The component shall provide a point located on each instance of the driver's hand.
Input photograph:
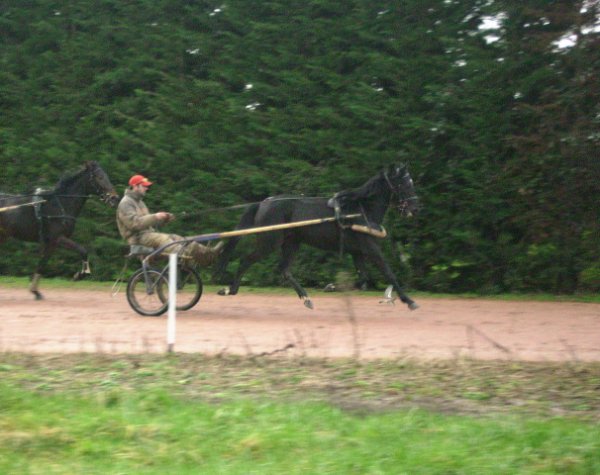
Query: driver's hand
(165, 217)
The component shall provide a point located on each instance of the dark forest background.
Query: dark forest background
(224, 103)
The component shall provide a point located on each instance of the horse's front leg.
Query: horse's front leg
(373, 252)
(85, 264)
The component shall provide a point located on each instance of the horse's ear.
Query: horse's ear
(402, 168)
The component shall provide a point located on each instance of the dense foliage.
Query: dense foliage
(223, 104)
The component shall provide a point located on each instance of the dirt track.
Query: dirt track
(339, 326)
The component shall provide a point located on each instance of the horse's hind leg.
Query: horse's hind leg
(289, 250)
(34, 284)
(265, 247)
(39, 270)
(245, 264)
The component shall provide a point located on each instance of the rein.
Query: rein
(41, 194)
(186, 215)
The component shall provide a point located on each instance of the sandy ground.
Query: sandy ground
(339, 326)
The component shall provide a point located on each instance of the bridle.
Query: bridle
(104, 195)
(403, 204)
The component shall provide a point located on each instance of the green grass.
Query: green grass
(54, 283)
(157, 433)
(61, 283)
(109, 414)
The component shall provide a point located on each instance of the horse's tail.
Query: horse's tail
(246, 221)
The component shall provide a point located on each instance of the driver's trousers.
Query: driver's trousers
(202, 255)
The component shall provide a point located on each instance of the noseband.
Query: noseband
(103, 194)
(403, 201)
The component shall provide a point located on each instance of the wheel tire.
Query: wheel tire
(189, 288)
(147, 304)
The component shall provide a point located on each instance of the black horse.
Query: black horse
(48, 216)
(370, 201)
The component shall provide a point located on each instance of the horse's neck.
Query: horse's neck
(72, 197)
(376, 206)
(376, 210)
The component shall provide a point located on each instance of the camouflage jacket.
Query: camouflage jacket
(133, 217)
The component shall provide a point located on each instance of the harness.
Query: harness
(371, 229)
(38, 200)
(334, 203)
(343, 224)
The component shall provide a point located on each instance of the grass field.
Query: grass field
(23, 282)
(179, 414)
(131, 414)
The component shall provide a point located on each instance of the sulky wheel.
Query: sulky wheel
(148, 292)
(189, 288)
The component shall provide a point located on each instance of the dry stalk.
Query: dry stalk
(345, 285)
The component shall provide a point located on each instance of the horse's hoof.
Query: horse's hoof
(308, 303)
(413, 306)
(37, 295)
(224, 291)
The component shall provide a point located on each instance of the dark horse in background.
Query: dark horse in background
(48, 216)
(370, 201)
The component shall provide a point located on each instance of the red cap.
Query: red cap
(139, 180)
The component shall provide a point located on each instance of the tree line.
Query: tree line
(494, 105)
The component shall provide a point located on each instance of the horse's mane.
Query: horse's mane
(63, 182)
(68, 180)
(370, 188)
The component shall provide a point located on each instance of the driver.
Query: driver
(137, 225)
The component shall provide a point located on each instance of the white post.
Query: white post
(172, 301)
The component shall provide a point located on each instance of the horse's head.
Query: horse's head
(401, 185)
(100, 183)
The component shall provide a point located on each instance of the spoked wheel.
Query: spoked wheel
(189, 288)
(148, 292)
